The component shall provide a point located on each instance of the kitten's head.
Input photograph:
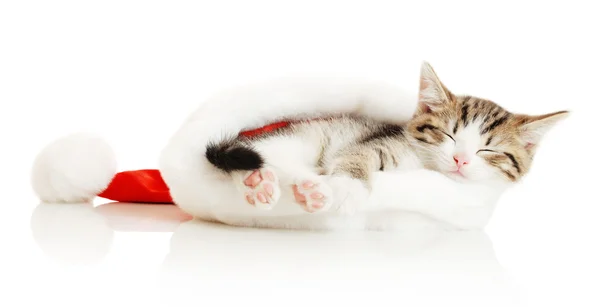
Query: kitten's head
(473, 139)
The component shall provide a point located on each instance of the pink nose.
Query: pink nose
(461, 159)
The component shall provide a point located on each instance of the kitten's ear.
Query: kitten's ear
(432, 92)
(533, 128)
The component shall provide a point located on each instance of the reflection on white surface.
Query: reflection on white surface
(452, 263)
(432, 265)
(214, 250)
(71, 233)
(83, 233)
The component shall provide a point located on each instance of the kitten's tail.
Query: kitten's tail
(233, 155)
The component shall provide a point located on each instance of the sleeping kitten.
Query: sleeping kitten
(464, 137)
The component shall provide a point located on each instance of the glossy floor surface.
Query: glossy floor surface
(121, 254)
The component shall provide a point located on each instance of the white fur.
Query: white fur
(424, 196)
(74, 168)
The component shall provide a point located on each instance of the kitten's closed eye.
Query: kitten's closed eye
(431, 127)
(494, 157)
(492, 153)
(448, 135)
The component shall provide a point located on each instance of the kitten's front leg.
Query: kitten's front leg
(346, 184)
(350, 177)
(357, 163)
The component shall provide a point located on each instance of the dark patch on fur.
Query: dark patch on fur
(455, 128)
(489, 141)
(463, 115)
(231, 155)
(425, 126)
(381, 158)
(511, 176)
(384, 131)
(514, 161)
(422, 140)
(495, 124)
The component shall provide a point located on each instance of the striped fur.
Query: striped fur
(347, 146)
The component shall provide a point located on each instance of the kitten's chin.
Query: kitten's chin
(491, 182)
(458, 176)
(466, 178)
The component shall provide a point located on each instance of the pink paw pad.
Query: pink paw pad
(253, 180)
(261, 188)
(312, 195)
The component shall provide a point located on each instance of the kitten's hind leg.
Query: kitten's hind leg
(260, 187)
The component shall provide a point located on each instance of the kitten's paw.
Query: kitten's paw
(260, 188)
(313, 194)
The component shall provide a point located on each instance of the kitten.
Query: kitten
(463, 137)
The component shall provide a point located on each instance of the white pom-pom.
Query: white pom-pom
(72, 169)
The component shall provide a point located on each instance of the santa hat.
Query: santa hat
(79, 167)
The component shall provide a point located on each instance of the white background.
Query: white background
(133, 70)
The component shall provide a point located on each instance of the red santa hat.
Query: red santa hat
(80, 167)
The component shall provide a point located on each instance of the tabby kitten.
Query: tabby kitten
(466, 138)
